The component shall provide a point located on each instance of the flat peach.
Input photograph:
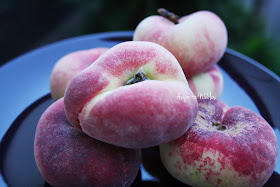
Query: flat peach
(67, 157)
(105, 102)
(198, 41)
(224, 147)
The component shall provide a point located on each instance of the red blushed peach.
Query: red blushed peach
(69, 66)
(198, 40)
(225, 147)
(207, 84)
(128, 97)
(68, 157)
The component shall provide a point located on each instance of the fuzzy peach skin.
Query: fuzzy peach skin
(69, 66)
(68, 157)
(198, 41)
(209, 83)
(139, 115)
(225, 147)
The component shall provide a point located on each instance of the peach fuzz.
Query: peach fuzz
(198, 41)
(209, 83)
(69, 66)
(144, 114)
(67, 157)
(225, 147)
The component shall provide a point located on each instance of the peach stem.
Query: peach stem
(219, 126)
(139, 76)
(169, 15)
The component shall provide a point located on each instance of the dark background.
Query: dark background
(253, 25)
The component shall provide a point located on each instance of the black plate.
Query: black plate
(17, 164)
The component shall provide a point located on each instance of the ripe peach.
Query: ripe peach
(69, 66)
(128, 97)
(209, 83)
(198, 40)
(225, 147)
(68, 157)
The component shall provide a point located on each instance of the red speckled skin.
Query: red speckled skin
(198, 41)
(140, 115)
(69, 66)
(244, 154)
(67, 157)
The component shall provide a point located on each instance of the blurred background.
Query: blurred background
(253, 25)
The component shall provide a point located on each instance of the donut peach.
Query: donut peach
(68, 157)
(128, 97)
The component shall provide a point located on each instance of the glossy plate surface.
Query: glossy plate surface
(24, 97)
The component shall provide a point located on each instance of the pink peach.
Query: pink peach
(69, 66)
(106, 102)
(224, 147)
(67, 157)
(198, 41)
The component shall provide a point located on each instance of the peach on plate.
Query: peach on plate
(128, 97)
(68, 157)
(224, 147)
(198, 40)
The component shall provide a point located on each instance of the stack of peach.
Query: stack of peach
(111, 103)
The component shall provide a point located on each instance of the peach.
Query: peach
(225, 147)
(128, 97)
(68, 157)
(207, 84)
(198, 40)
(69, 66)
